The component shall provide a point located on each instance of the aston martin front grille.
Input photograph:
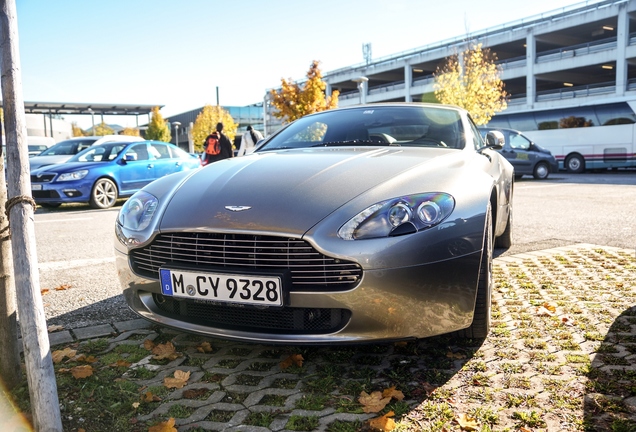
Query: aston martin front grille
(310, 269)
(285, 320)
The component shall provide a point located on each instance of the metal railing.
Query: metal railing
(576, 50)
(578, 91)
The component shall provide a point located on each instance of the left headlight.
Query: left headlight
(137, 212)
(76, 175)
(399, 216)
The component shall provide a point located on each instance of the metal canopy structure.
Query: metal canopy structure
(87, 108)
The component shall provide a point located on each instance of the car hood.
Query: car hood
(288, 192)
(67, 167)
(36, 162)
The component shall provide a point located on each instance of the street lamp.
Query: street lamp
(176, 131)
(363, 94)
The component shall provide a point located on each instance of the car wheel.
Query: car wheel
(575, 164)
(481, 318)
(505, 240)
(541, 171)
(104, 194)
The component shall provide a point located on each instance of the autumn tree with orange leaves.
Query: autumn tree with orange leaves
(471, 80)
(293, 101)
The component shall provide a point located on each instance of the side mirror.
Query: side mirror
(495, 139)
(129, 157)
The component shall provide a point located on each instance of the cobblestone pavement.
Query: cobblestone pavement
(561, 356)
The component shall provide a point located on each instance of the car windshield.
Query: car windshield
(411, 126)
(100, 153)
(68, 147)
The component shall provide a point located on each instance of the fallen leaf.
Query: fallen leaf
(467, 423)
(63, 287)
(194, 393)
(165, 351)
(180, 379)
(59, 355)
(549, 307)
(54, 328)
(135, 405)
(205, 347)
(391, 392)
(83, 371)
(149, 397)
(543, 312)
(383, 423)
(44, 291)
(148, 344)
(120, 363)
(294, 359)
(167, 426)
(374, 402)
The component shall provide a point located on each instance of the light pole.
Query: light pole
(93, 120)
(176, 131)
(361, 82)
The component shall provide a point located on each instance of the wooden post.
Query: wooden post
(20, 206)
(10, 373)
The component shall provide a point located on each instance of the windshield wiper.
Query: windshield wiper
(346, 143)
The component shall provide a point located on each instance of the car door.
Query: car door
(137, 169)
(517, 151)
(165, 163)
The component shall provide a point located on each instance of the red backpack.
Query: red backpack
(212, 144)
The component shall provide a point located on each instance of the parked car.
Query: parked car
(527, 157)
(375, 222)
(38, 144)
(64, 150)
(105, 172)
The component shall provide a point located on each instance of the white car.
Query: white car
(64, 150)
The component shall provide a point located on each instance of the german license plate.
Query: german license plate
(222, 287)
(36, 187)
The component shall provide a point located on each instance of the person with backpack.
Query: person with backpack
(217, 146)
(249, 140)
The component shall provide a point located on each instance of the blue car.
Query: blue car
(105, 172)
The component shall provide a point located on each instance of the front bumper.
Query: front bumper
(61, 192)
(388, 304)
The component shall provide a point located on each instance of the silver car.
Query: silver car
(361, 224)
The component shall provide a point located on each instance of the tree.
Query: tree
(293, 102)
(77, 131)
(471, 80)
(130, 131)
(157, 128)
(206, 122)
(103, 129)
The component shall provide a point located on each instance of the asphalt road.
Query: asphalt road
(76, 261)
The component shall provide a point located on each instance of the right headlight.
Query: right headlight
(137, 213)
(399, 216)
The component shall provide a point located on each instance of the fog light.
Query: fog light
(71, 192)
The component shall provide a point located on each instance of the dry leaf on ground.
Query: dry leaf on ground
(63, 287)
(59, 355)
(180, 379)
(83, 371)
(374, 402)
(167, 426)
(54, 328)
(467, 423)
(149, 397)
(393, 393)
(148, 344)
(294, 359)
(165, 351)
(205, 347)
(383, 423)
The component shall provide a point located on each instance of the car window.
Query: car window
(519, 142)
(159, 151)
(138, 152)
(177, 153)
(478, 141)
(69, 147)
(397, 126)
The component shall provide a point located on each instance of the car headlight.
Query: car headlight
(76, 175)
(137, 212)
(399, 216)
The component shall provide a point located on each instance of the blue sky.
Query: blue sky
(175, 53)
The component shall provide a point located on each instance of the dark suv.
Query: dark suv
(524, 155)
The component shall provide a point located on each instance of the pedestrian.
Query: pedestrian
(217, 146)
(249, 140)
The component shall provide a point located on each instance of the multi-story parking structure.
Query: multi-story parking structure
(576, 63)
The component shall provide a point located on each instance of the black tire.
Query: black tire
(541, 171)
(504, 241)
(480, 327)
(575, 164)
(104, 194)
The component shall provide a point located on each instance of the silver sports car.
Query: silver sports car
(360, 224)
